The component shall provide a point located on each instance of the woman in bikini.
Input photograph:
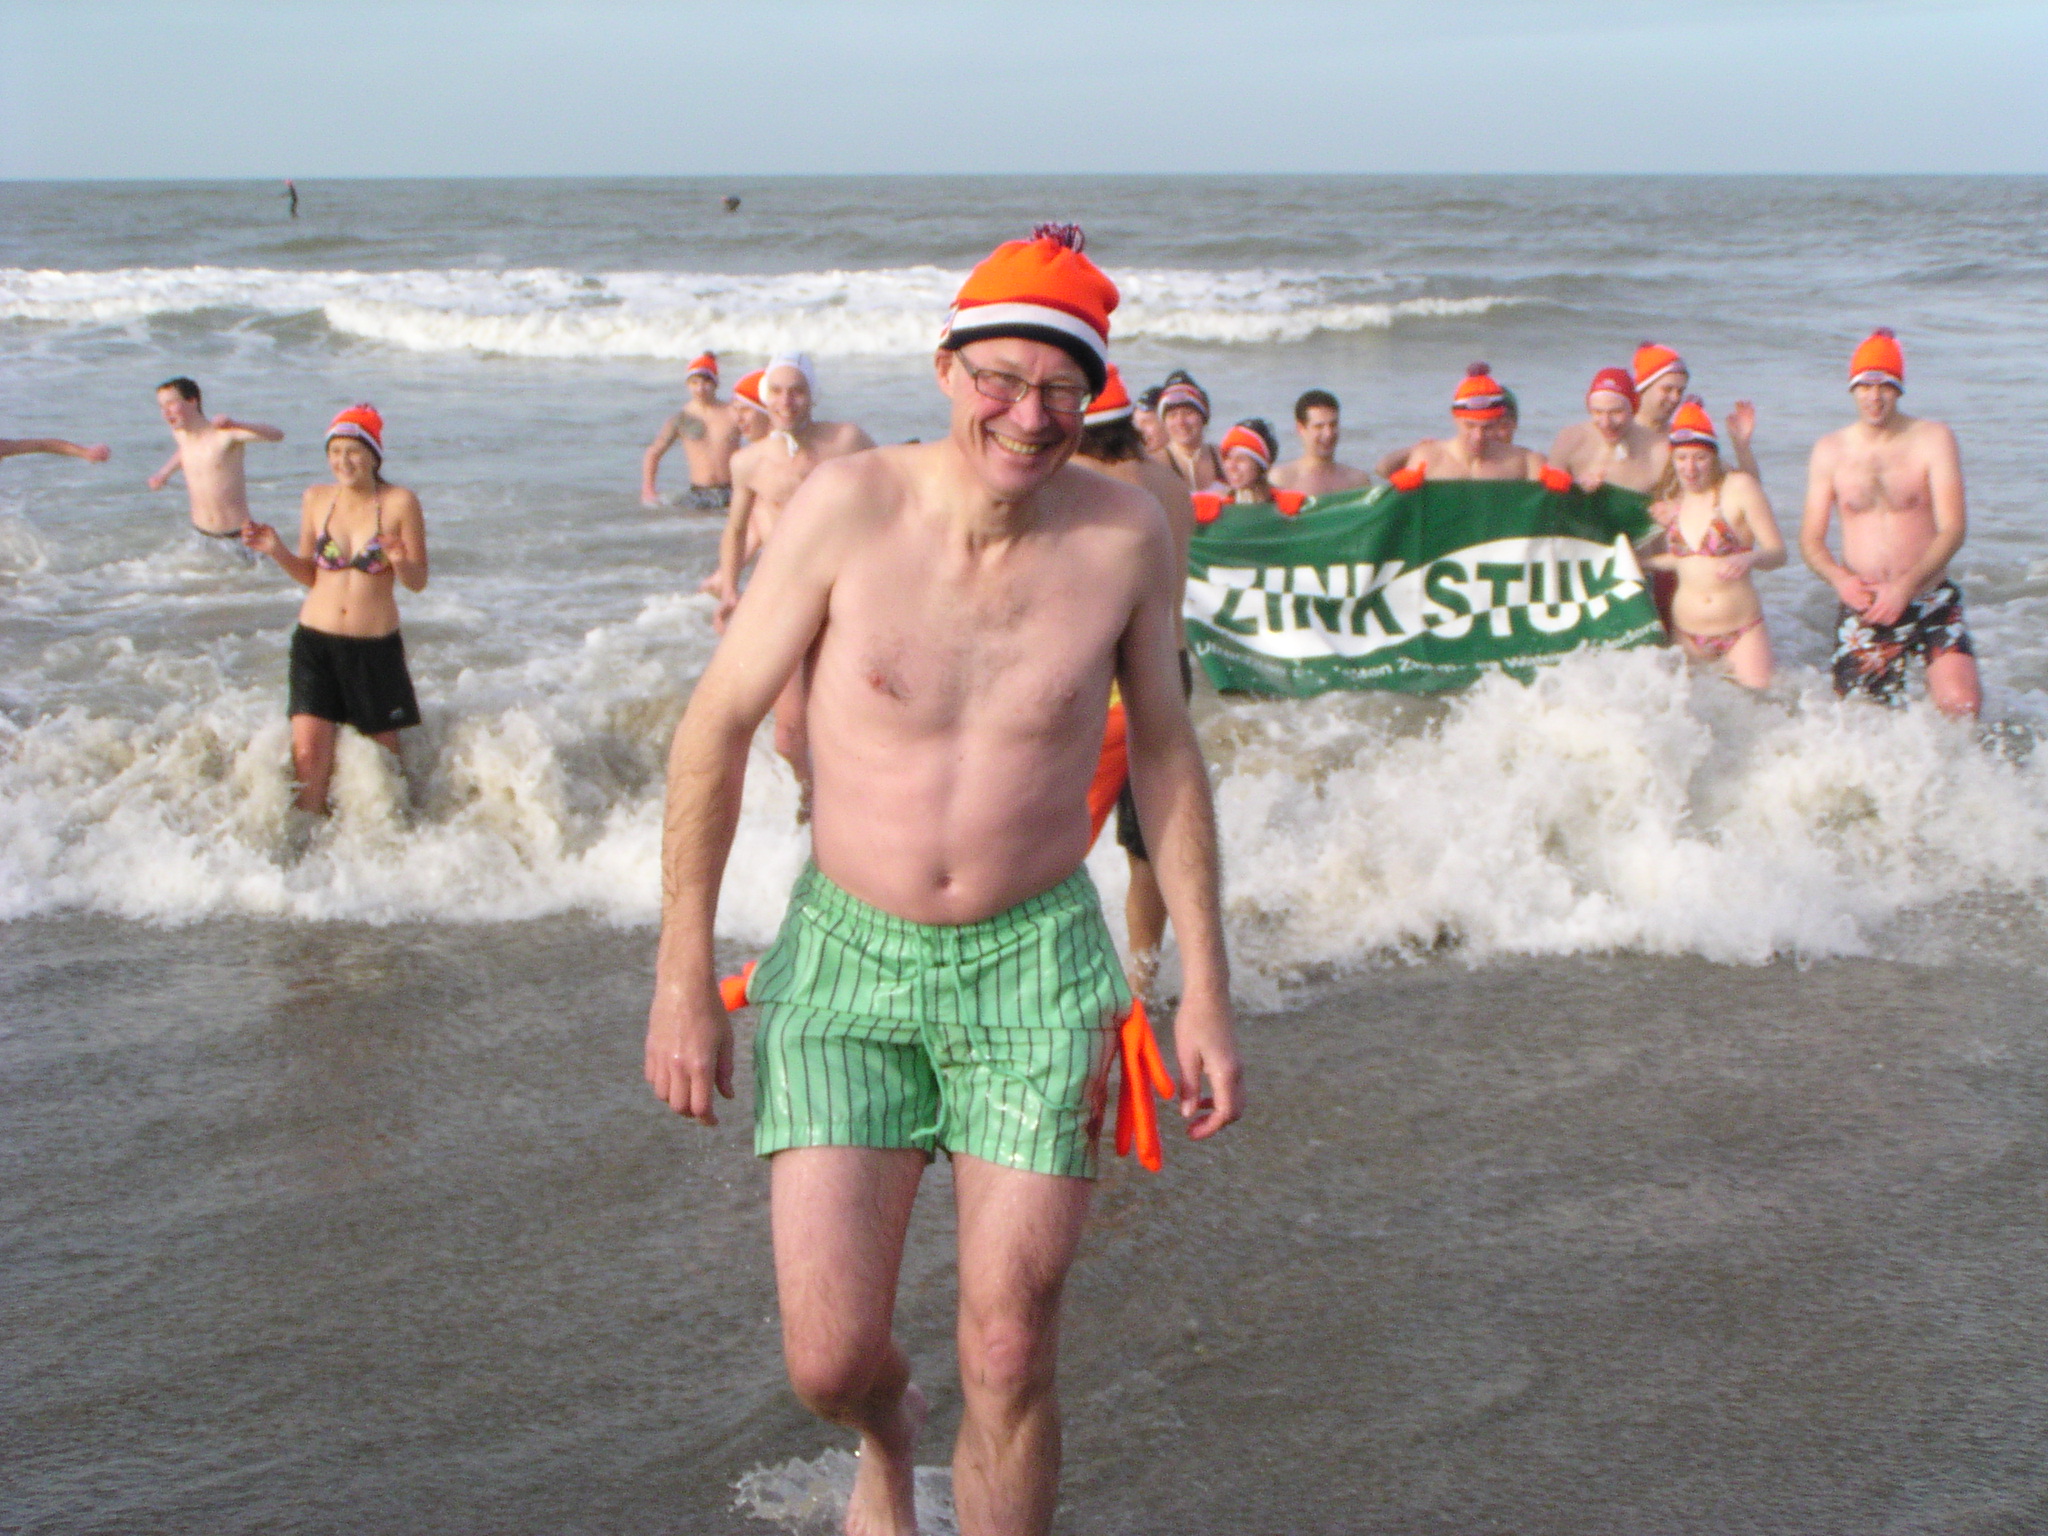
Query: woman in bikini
(1718, 529)
(356, 538)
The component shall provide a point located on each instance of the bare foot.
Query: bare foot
(884, 1501)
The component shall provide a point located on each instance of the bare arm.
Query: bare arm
(732, 552)
(1813, 530)
(650, 462)
(265, 540)
(1951, 522)
(248, 431)
(1391, 464)
(407, 546)
(162, 477)
(98, 453)
(1171, 786)
(1753, 507)
(689, 1037)
(1741, 429)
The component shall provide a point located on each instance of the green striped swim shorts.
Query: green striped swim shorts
(989, 1038)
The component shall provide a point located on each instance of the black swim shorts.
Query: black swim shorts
(1129, 835)
(352, 681)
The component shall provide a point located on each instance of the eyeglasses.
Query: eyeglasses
(1060, 398)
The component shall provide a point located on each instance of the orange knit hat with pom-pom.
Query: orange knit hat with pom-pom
(361, 422)
(1042, 289)
(1111, 403)
(748, 390)
(1880, 360)
(1252, 438)
(705, 363)
(1652, 361)
(1479, 396)
(1691, 424)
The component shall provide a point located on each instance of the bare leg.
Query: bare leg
(1749, 659)
(1018, 1236)
(1145, 923)
(388, 740)
(839, 1215)
(313, 760)
(1952, 684)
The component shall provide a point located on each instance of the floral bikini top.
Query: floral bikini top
(370, 559)
(1718, 540)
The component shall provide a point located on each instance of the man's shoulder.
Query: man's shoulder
(1285, 475)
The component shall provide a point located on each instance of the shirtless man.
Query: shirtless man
(1110, 443)
(97, 453)
(709, 431)
(1898, 481)
(764, 476)
(1184, 413)
(1610, 447)
(944, 969)
(210, 455)
(748, 409)
(1317, 472)
(1478, 451)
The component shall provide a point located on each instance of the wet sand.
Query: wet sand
(362, 1229)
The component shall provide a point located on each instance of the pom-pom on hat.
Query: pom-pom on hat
(1479, 396)
(705, 363)
(748, 390)
(361, 422)
(1613, 381)
(1652, 361)
(1692, 424)
(1880, 360)
(1112, 403)
(1252, 437)
(1042, 289)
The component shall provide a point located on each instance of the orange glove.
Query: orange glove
(1555, 479)
(1110, 771)
(1145, 1074)
(732, 990)
(1406, 479)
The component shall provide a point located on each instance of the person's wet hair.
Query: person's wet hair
(184, 386)
(1112, 442)
(1312, 398)
(1149, 400)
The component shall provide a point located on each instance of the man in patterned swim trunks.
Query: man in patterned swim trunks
(1898, 481)
(944, 979)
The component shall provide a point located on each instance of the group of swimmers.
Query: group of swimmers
(941, 628)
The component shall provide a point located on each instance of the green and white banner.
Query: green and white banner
(1420, 590)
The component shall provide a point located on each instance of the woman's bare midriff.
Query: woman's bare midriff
(352, 603)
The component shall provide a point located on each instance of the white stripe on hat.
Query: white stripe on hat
(1002, 317)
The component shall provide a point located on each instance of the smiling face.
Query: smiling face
(354, 465)
(1876, 403)
(1318, 432)
(1242, 472)
(1184, 426)
(1695, 465)
(787, 394)
(1661, 396)
(1013, 447)
(1610, 414)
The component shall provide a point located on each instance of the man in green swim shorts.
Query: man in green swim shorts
(944, 979)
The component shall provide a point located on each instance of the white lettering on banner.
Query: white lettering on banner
(1299, 612)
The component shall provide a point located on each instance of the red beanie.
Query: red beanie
(1613, 381)
(1042, 289)
(1113, 403)
(705, 363)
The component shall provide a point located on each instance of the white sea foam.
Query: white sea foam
(809, 1498)
(548, 312)
(1620, 802)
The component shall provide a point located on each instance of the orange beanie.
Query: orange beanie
(1879, 361)
(749, 390)
(705, 363)
(361, 422)
(1113, 403)
(1248, 438)
(1479, 396)
(1653, 361)
(1692, 424)
(1042, 289)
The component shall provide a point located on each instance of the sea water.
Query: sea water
(338, 1204)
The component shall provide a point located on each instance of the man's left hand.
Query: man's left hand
(1205, 1046)
(1888, 602)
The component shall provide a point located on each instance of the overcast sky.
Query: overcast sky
(107, 88)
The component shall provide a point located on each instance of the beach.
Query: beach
(1647, 1129)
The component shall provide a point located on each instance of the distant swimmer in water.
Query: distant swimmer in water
(96, 453)
(1610, 447)
(1247, 453)
(357, 536)
(709, 431)
(732, 203)
(1110, 444)
(1483, 448)
(209, 455)
(291, 192)
(1317, 472)
(1145, 420)
(1184, 413)
(1719, 528)
(1898, 482)
(764, 476)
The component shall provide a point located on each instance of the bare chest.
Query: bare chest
(1880, 480)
